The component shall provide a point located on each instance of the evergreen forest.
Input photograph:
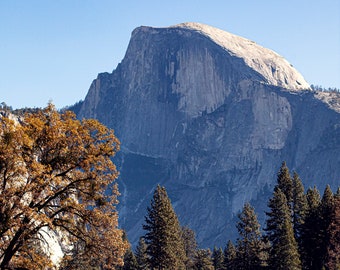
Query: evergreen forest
(302, 231)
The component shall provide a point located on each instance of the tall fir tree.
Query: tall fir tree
(300, 207)
(218, 258)
(325, 216)
(130, 262)
(332, 260)
(285, 183)
(313, 199)
(141, 255)
(284, 249)
(230, 256)
(310, 232)
(203, 260)
(315, 236)
(250, 248)
(326, 206)
(163, 236)
(190, 246)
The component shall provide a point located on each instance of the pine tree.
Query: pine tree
(333, 249)
(325, 216)
(315, 237)
(203, 260)
(141, 255)
(300, 207)
(249, 247)
(218, 258)
(165, 246)
(130, 261)
(190, 246)
(230, 256)
(285, 183)
(326, 206)
(313, 199)
(310, 233)
(284, 250)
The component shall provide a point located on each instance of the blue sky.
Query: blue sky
(52, 50)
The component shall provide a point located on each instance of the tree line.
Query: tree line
(302, 231)
(324, 89)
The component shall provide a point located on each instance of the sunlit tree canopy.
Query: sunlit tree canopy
(56, 175)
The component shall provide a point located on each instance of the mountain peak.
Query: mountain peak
(207, 114)
(275, 69)
(202, 65)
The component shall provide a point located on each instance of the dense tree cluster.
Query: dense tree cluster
(302, 232)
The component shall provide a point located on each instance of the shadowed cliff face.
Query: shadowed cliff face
(210, 125)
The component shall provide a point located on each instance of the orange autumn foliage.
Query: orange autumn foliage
(56, 174)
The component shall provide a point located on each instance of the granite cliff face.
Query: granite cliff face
(211, 116)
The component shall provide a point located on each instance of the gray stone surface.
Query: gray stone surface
(211, 122)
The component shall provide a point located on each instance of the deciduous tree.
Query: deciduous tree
(56, 174)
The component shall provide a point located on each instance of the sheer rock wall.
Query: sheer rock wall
(211, 116)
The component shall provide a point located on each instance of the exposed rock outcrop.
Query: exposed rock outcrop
(211, 116)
